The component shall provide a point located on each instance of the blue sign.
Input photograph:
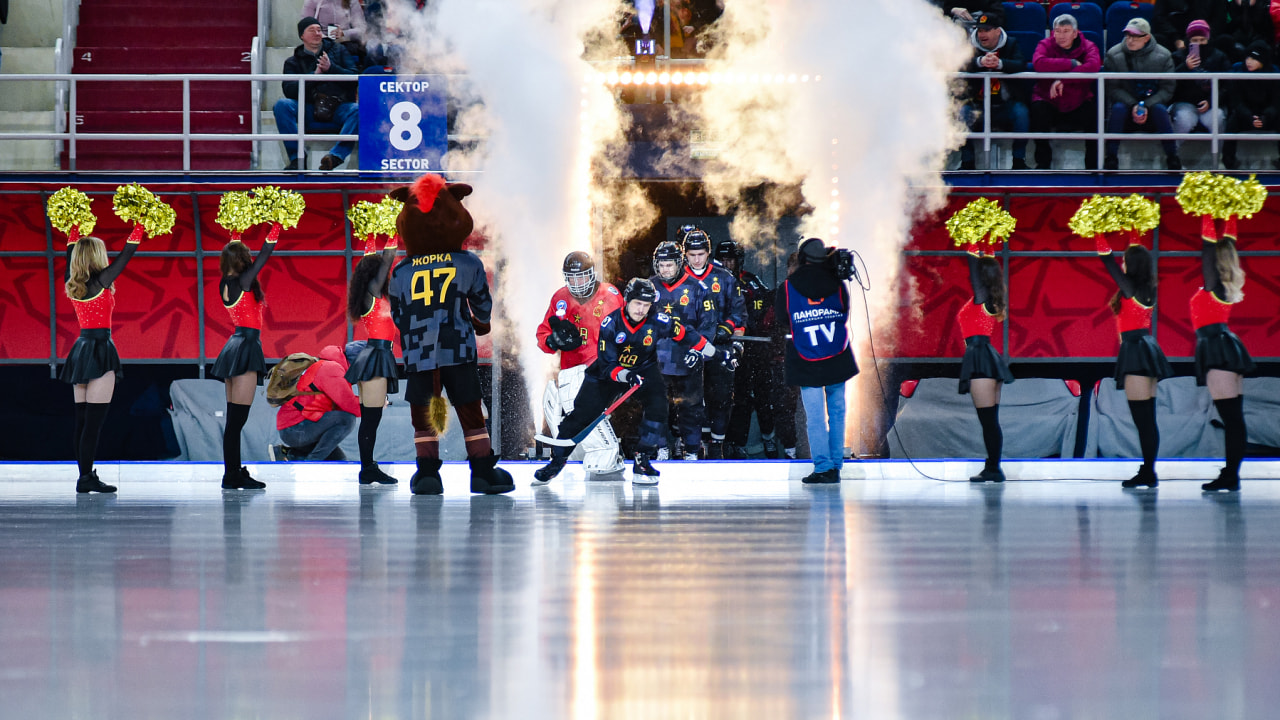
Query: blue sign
(402, 123)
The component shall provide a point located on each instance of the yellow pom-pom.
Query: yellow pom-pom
(1089, 219)
(136, 204)
(1252, 197)
(1139, 213)
(69, 208)
(237, 212)
(388, 211)
(282, 207)
(1204, 193)
(981, 221)
(364, 218)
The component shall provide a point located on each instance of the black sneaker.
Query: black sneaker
(1020, 164)
(241, 480)
(329, 162)
(1173, 162)
(715, 450)
(1227, 481)
(1146, 477)
(1111, 163)
(293, 164)
(89, 483)
(544, 474)
(371, 474)
(825, 477)
(988, 475)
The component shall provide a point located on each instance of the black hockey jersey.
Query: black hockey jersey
(727, 305)
(624, 346)
(433, 300)
(687, 300)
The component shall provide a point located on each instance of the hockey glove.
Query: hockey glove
(564, 335)
(693, 357)
(729, 358)
(723, 333)
(628, 377)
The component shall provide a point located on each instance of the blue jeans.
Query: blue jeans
(826, 441)
(1010, 115)
(346, 121)
(325, 433)
(1120, 120)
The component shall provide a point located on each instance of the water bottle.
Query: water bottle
(1141, 111)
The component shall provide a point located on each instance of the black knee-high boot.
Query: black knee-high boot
(234, 475)
(95, 415)
(1231, 410)
(367, 436)
(1144, 418)
(993, 438)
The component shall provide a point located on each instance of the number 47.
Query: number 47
(420, 285)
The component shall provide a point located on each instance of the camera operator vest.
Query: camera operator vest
(818, 327)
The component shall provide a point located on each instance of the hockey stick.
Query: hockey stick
(570, 442)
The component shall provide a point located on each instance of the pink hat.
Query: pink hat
(1198, 28)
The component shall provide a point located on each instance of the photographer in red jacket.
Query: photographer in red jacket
(323, 412)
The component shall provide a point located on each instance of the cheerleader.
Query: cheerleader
(93, 365)
(1221, 359)
(983, 370)
(374, 369)
(1140, 364)
(241, 364)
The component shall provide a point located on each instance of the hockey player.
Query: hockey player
(681, 296)
(572, 328)
(728, 318)
(757, 376)
(630, 338)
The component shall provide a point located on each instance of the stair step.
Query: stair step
(163, 121)
(105, 60)
(170, 36)
(205, 96)
(215, 17)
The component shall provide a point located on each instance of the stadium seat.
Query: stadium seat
(1087, 14)
(1119, 15)
(1027, 41)
(1096, 38)
(1024, 17)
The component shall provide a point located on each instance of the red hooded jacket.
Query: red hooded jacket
(327, 377)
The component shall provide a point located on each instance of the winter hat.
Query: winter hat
(305, 23)
(813, 251)
(1198, 28)
(1260, 51)
(987, 21)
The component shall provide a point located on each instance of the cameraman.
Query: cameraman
(814, 301)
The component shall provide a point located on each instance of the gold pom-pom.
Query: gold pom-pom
(136, 204)
(1204, 193)
(237, 212)
(282, 207)
(69, 208)
(364, 218)
(981, 221)
(1094, 217)
(388, 211)
(1138, 213)
(1252, 197)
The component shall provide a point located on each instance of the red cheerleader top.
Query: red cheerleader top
(246, 311)
(1207, 309)
(975, 320)
(1133, 315)
(95, 312)
(377, 322)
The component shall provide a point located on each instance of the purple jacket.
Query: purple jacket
(1049, 58)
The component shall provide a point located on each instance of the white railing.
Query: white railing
(63, 48)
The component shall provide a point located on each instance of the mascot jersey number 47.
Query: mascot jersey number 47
(440, 301)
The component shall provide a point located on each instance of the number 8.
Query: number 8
(405, 134)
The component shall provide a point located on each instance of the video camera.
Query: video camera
(840, 263)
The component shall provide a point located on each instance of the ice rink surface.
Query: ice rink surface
(730, 590)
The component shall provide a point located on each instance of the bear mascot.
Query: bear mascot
(440, 302)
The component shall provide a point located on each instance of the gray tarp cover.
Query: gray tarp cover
(1038, 417)
(199, 409)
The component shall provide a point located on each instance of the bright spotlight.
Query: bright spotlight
(664, 79)
(715, 78)
(613, 77)
(804, 78)
(625, 79)
(791, 78)
(651, 78)
(703, 78)
(677, 77)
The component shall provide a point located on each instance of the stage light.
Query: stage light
(677, 77)
(613, 77)
(625, 79)
(703, 78)
(664, 79)
(651, 78)
(755, 78)
(835, 193)
(767, 79)
(835, 206)
(791, 78)
(715, 78)
(804, 78)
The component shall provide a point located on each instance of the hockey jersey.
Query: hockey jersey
(433, 301)
(624, 346)
(726, 304)
(687, 300)
(586, 314)
(758, 300)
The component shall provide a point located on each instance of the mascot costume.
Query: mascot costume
(440, 301)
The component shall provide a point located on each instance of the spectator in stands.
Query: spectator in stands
(965, 11)
(1193, 97)
(1173, 16)
(1247, 22)
(323, 412)
(330, 106)
(1065, 105)
(1139, 105)
(343, 22)
(995, 52)
(1254, 104)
